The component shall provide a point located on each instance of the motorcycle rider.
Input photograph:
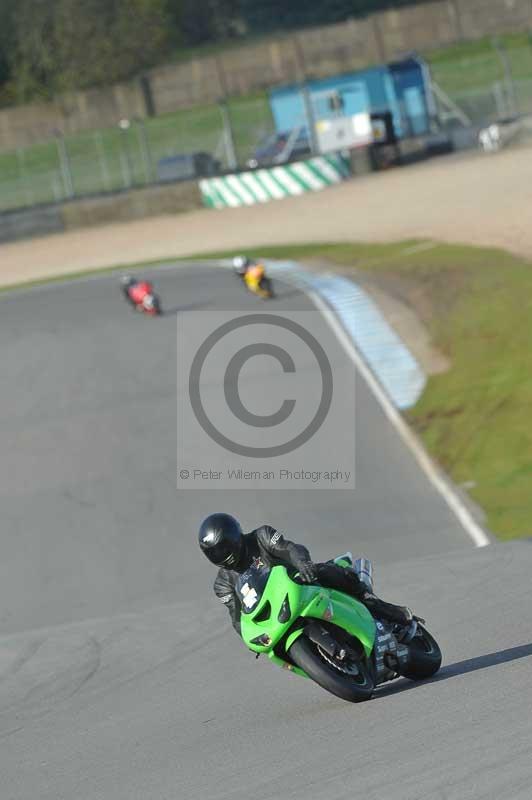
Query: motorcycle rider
(252, 272)
(136, 292)
(241, 264)
(233, 552)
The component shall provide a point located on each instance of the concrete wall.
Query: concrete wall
(135, 204)
(33, 222)
(311, 53)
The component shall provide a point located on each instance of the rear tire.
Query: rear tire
(267, 286)
(424, 656)
(305, 654)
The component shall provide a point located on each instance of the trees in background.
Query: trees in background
(268, 15)
(51, 46)
(7, 8)
(203, 21)
(59, 45)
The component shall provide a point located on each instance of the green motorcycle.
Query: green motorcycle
(329, 637)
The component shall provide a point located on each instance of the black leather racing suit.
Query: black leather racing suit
(271, 548)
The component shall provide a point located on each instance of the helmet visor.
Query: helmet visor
(223, 554)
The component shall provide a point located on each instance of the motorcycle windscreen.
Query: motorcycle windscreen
(250, 587)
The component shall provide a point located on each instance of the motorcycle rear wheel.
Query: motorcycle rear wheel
(355, 689)
(267, 286)
(424, 656)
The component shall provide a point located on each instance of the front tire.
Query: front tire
(355, 689)
(424, 656)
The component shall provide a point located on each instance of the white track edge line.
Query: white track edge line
(472, 528)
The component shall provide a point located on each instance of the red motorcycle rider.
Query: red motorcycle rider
(140, 294)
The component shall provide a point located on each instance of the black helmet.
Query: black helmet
(220, 538)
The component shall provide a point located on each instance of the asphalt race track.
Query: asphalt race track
(120, 677)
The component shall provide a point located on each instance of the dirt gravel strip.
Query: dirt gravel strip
(469, 198)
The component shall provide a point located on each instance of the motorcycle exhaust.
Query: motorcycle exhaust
(364, 569)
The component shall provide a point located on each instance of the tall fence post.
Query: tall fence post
(65, 166)
(500, 100)
(229, 139)
(380, 43)
(23, 176)
(457, 17)
(125, 155)
(147, 95)
(507, 72)
(145, 151)
(104, 169)
(56, 188)
(222, 77)
(310, 118)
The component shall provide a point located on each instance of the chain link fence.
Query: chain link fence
(494, 84)
(136, 153)
(201, 141)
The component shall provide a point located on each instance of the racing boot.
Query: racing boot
(387, 611)
(345, 579)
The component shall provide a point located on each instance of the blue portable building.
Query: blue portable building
(401, 87)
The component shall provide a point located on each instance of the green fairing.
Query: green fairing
(305, 602)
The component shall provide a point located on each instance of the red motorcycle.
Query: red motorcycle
(141, 296)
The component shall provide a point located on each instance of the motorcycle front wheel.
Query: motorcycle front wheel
(349, 681)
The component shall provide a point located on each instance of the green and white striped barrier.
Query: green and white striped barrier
(274, 183)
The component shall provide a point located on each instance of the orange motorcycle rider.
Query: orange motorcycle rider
(253, 274)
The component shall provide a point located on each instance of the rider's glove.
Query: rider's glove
(307, 571)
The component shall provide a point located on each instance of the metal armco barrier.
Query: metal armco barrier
(274, 183)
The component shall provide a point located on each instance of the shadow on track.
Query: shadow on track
(173, 312)
(277, 296)
(462, 668)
